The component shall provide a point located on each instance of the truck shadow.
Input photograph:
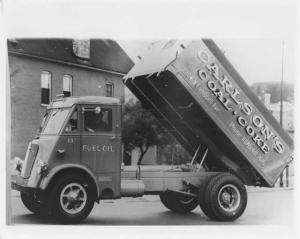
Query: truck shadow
(156, 219)
(31, 219)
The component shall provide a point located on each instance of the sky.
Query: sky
(257, 60)
(250, 31)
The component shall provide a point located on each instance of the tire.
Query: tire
(32, 203)
(165, 200)
(202, 192)
(176, 203)
(71, 199)
(225, 197)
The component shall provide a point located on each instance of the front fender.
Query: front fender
(54, 171)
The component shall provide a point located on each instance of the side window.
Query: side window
(72, 125)
(97, 119)
(45, 87)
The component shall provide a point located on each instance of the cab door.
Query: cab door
(101, 144)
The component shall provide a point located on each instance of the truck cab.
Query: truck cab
(78, 135)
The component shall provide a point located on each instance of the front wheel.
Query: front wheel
(72, 199)
(225, 197)
(33, 203)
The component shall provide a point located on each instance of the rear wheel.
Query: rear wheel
(202, 191)
(225, 197)
(165, 200)
(178, 203)
(72, 199)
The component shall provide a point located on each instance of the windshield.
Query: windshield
(45, 117)
(53, 120)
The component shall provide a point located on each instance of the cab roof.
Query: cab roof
(70, 101)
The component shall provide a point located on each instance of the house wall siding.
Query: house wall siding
(25, 85)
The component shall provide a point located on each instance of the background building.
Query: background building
(270, 94)
(40, 69)
(274, 89)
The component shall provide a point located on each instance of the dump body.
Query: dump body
(201, 99)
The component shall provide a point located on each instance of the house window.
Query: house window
(45, 88)
(67, 85)
(81, 49)
(109, 90)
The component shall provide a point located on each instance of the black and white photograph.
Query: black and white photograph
(143, 129)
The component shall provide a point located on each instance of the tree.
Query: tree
(173, 153)
(141, 129)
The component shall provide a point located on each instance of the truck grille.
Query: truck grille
(29, 160)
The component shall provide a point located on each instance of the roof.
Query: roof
(70, 101)
(105, 54)
(286, 106)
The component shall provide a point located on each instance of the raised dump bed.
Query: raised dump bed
(197, 94)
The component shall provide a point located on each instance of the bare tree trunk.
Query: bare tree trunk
(142, 155)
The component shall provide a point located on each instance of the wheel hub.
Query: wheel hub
(226, 197)
(229, 198)
(73, 198)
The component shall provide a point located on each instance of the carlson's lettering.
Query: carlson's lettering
(220, 85)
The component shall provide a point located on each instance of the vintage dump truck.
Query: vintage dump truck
(195, 92)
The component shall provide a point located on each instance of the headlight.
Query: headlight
(18, 164)
(42, 168)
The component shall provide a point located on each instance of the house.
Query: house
(40, 69)
(274, 89)
(287, 114)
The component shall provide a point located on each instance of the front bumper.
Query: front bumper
(21, 184)
(24, 189)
